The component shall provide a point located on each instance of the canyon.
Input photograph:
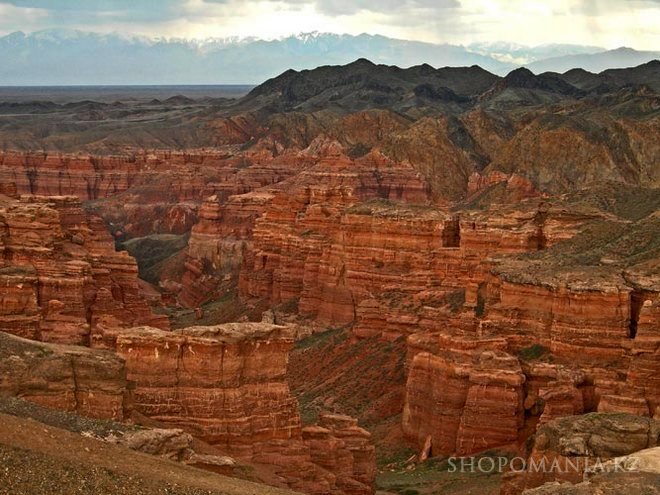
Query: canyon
(348, 264)
(63, 280)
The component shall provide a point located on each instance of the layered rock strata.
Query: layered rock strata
(218, 243)
(85, 381)
(605, 323)
(301, 211)
(564, 449)
(582, 347)
(224, 384)
(464, 394)
(227, 385)
(61, 276)
(93, 177)
(346, 264)
(143, 193)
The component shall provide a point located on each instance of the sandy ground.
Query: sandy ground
(36, 459)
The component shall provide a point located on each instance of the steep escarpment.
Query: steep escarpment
(497, 383)
(579, 329)
(227, 386)
(139, 193)
(223, 383)
(290, 237)
(164, 186)
(473, 390)
(352, 265)
(444, 277)
(305, 205)
(566, 328)
(62, 278)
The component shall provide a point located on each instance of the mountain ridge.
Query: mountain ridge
(363, 84)
(76, 57)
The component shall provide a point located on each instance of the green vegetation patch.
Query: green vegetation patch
(533, 352)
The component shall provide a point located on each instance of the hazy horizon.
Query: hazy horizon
(604, 23)
(64, 57)
(229, 42)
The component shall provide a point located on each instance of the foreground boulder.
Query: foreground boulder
(567, 447)
(634, 474)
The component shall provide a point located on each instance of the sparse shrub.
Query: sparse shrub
(533, 352)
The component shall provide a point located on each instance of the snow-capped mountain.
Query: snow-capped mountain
(65, 57)
(521, 54)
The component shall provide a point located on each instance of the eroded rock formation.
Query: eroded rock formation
(445, 208)
(565, 448)
(227, 386)
(85, 381)
(464, 394)
(62, 278)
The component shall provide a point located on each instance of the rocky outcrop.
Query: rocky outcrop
(506, 188)
(141, 193)
(172, 444)
(565, 448)
(224, 384)
(222, 228)
(566, 363)
(218, 242)
(584, 333)
(631, 483)
(546, 316)
(303, 222)
(227, 386)
(92, 177)
(613, 336)
(62, 278)
(88, 382)
(340, 446)
(350, 247)
(87, 177)
(387, 266)
(465, 394)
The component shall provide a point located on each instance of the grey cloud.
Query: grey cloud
(149, 11)
(348, 7)
(71, 12)
(93, 5)
(599, 7)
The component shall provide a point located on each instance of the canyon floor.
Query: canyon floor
(332, 283)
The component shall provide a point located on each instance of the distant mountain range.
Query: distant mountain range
(596, 62)
(66, 57)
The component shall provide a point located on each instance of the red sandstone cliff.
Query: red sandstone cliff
(227, 386)
(62, 278)
(353, 248)
(71, 378)
(301, 210)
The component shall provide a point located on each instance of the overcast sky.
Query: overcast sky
(607, 23)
